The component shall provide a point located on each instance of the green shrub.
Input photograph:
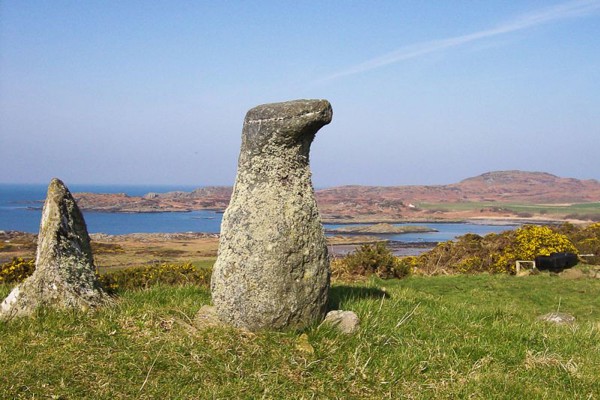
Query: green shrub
(166, 274)
(371, 259)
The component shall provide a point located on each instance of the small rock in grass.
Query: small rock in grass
(345, 321)
(558, 318)
(207, 318)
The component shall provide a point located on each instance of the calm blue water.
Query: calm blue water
(17, 201)
(20, 210)
(446, 231)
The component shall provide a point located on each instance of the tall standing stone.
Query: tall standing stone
(64, 274)
(272, 270)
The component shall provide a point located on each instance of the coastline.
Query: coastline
(138, 249)
(514, 201)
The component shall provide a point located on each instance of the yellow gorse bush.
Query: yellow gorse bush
(532, 241)
(529, 242)
(494, 253)
(16, 270)
(165, 273)
(469, 254)
(586, 240)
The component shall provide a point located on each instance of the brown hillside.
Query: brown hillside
(534, 187)
(395, 202)
(381, 203)
(501, 186)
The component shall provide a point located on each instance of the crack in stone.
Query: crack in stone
(284, 118)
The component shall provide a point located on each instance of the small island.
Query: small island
(382, 229)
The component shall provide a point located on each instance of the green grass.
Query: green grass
(204, 263)
(550, 209)
(420, 338)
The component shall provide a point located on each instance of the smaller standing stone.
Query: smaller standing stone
(65, 276)
(345, 321)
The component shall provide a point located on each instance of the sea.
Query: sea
(21, 209)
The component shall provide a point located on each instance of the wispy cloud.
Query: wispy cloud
(571, 9)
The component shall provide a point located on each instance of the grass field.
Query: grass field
(420, 338)
(550, 209)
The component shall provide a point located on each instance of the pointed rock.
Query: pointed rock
(65, 276)
(272, 271)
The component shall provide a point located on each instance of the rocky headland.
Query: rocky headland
(207, 198)
(381, 229)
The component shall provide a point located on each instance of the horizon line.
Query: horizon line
(197, 186)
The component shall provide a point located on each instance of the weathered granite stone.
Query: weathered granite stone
(345, 321)
(272, 270)
(64, 275)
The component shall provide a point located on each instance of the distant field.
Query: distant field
(551, 209)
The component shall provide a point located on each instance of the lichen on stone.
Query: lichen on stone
(65, 275)
(272, 270)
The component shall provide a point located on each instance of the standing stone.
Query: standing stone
(272, 271)
(64, 274)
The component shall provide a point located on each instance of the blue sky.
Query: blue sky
(423, 92)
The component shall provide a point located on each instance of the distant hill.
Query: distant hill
(383, 203)
(501, 186)
(535, 187)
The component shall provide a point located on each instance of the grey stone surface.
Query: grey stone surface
(272, 270)
(345, 321)
(207, 317)
(64, 275)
